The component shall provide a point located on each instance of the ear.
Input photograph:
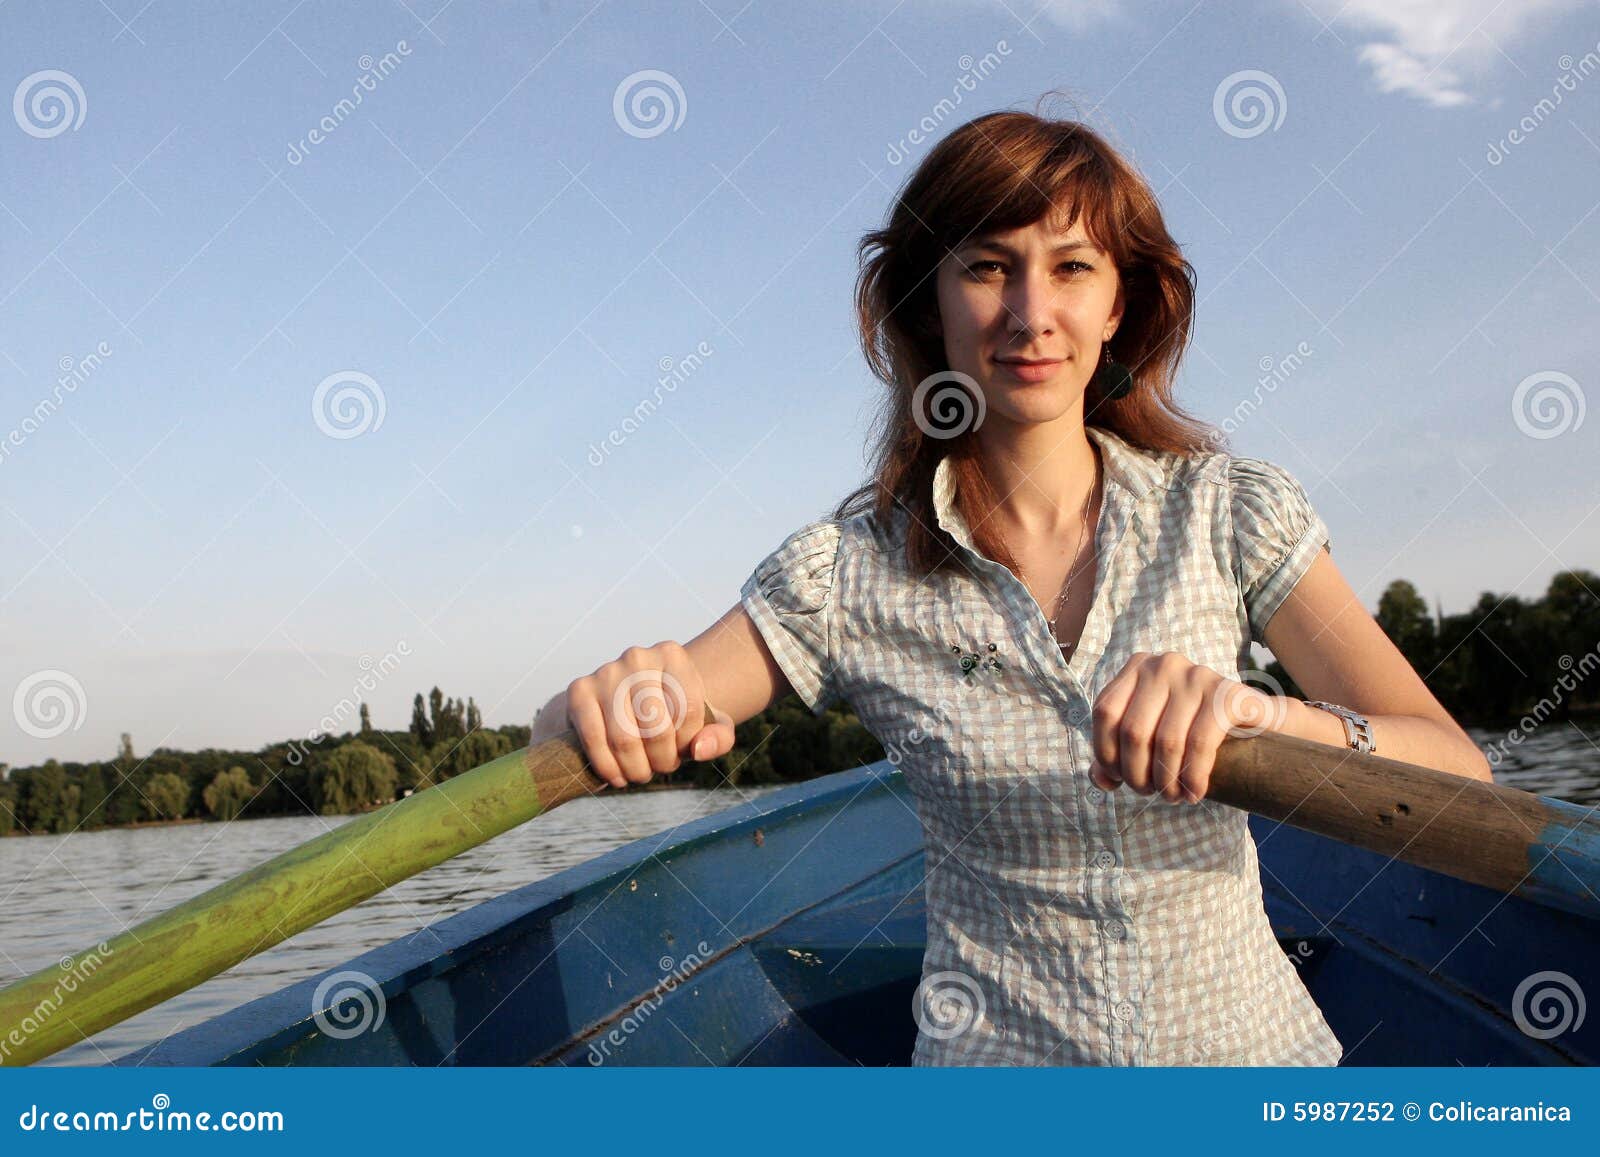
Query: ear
(1115, 319)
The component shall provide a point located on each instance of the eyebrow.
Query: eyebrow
(987, 241)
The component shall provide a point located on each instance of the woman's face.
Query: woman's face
(1032, 295)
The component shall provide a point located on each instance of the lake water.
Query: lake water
(62, 894)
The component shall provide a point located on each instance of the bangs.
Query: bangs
(1003, 188)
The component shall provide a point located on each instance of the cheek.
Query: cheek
(965, 315)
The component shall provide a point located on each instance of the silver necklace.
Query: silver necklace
(1066, 589)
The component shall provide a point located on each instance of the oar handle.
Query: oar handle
(1484, 833)
(171, 953)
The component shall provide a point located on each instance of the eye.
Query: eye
(1077, 266)
(979, 268)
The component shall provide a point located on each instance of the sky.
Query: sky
(305, 398)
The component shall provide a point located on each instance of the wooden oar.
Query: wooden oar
(171, 953)
(1505, 839)
(1514, 842)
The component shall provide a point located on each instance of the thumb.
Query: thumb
(714, 739)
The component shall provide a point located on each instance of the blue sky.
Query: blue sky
(481, 253)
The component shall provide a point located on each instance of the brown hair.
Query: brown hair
(1003, 171)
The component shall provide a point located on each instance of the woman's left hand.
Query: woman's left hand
(1159, 722)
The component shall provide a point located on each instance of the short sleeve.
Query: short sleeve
(1276, 532)
(790, 598)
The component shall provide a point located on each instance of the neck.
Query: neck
(1042, 474)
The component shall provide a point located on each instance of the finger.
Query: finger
(714, 739)
(1169, 746)
(623, 732)
(1206, 734)
(1136, 730)
(1107, 714)
(589, 721)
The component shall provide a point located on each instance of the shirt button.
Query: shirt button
(1075, 715)
(1116, 929)
(1105, 859)
(1096, 795)
(1124, 1010)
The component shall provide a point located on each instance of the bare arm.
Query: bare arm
(1335, 650)
(613, 709)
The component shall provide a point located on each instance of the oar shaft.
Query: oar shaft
(1505, 839)
(201, 937)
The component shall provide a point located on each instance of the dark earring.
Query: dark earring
(1114, 379)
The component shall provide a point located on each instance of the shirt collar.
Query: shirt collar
(1127, 466)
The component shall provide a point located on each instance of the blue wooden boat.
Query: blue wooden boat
(791, 931)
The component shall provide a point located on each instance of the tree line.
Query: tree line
(1504, 656)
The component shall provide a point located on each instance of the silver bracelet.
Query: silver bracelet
(1357, 728)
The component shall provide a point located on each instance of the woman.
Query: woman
(1040, 606)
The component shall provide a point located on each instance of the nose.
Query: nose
(1030, 304)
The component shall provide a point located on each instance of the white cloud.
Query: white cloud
(1437, 51)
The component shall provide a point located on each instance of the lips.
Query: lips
(1029, 370)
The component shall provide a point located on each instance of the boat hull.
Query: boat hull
(791, 931)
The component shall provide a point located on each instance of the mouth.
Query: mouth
(1030, 369)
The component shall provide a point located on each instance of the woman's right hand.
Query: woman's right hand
(640, 714)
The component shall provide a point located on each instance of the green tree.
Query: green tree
(421, 729)
(166, 796)
(476, 749)
(351, 778)
(1403, 615)
(474, 717)
(366, 720)
(227, 794)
